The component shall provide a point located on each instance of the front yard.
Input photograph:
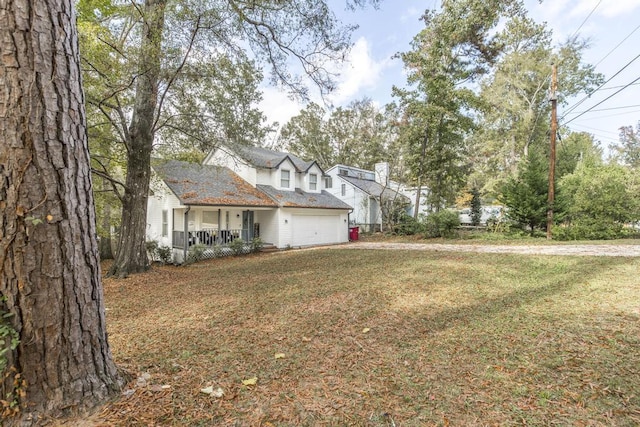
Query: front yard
(379, 338)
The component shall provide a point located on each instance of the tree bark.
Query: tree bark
(104, 245)
(131, 255)
(49, 266)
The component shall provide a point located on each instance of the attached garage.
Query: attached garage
(317, 229)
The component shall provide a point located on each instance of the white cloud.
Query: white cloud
(359, 72)
(277, 106)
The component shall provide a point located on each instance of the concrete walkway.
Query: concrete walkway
(579, 250)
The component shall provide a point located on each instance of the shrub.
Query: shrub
(256, 244)
(164, 254)
(196, 253)
(590, 229)
(442, 224)
(237, 246)
(408, 226)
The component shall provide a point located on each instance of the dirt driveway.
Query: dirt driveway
(579, 250)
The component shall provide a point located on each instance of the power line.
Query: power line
(586, 19)
(608, 109)
(607, 98)
(599, 87)
(617, 46)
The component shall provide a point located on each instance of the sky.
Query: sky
(612, 26)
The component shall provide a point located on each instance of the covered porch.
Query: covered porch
(210, 226)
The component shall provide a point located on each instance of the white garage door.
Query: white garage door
(316, 229)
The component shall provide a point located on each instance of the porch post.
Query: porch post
(219, 225)
(186, 234)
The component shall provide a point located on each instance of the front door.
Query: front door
(247, 226)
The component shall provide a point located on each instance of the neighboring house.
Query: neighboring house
(364, 190)
(242, 194)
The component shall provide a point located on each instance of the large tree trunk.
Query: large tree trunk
(104, 244)
(131, 256)
(49, 267)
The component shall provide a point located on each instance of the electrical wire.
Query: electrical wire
(599, 87)
(617, 46)
(586, 19)
(607, 98)
(609, 109)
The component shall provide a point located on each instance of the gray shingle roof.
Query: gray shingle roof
(301, 199)
(196, 184)
(373, 188)
(265, 158)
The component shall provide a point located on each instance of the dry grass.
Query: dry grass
(381, 338)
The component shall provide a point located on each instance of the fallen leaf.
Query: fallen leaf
(305, 339)
(279, 356)
(365, 330)
(211, 392)
(207, 390)
(250, 381)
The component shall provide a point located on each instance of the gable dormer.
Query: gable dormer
(284, 176)
(313, 179)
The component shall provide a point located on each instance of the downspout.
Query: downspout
(185, 245)
(349, 224)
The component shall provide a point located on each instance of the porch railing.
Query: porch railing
(207, 237)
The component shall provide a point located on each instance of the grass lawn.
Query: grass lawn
(380, 338)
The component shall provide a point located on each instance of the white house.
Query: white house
(363, 190)
(241, 194)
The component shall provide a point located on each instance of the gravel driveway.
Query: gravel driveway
(580, 250)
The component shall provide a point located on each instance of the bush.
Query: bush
(164, 254)
(256, 244)
(196, 253)
(590, 229)
(442, 224)
(237, 246)
(408, 226)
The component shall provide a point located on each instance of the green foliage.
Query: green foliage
(357, 135)
(9, 338)
(256, 244)
(601, 200)
(163, 254)
(196, 253)
(476, 207)
(442, 223)
(515, 99)
(408, 226)
(238, 246)
(629, 148)
(526, 195)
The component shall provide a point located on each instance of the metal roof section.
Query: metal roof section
(196, 184)
(265, 158)
(302, 199)
(374, 188)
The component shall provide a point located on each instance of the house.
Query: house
(243, 193)
(364, 190)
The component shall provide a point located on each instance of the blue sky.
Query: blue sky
(371, 71)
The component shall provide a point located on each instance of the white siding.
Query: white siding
(162, 199)
(317, 227)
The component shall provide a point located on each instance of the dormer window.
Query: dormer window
(313, 181)
(285, 178)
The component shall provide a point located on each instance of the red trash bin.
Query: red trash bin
(354, 233)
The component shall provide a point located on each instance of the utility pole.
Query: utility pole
(553, 97)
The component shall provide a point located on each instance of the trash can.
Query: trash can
(354, 233)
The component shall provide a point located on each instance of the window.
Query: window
(313, 181)
(343, 172)
(343, 190)
(210, 217)
(165, 223)
(285, 178)
(328, 182)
